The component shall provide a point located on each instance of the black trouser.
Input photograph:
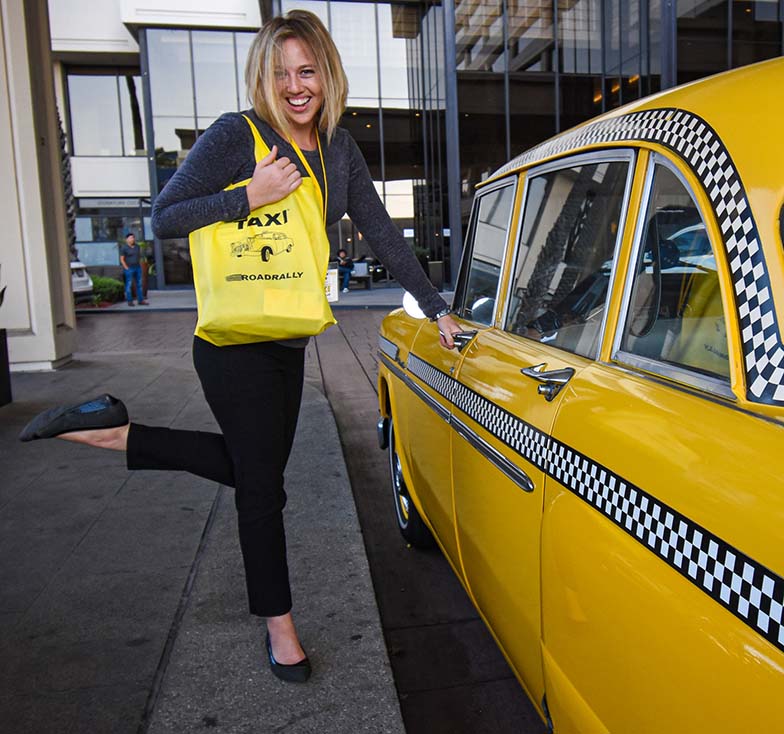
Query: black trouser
(254, 391)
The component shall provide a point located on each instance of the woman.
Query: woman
(298, 87)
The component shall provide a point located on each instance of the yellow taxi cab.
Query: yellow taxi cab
(599, 460)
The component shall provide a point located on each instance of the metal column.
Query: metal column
(452, 143)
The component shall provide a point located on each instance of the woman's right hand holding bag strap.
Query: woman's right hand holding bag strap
(262, 278)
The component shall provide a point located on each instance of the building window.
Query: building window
(106, 110)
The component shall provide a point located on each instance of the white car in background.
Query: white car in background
(81, 282)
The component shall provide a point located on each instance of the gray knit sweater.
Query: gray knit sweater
(223, 154)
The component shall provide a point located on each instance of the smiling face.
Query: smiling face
(299, 89)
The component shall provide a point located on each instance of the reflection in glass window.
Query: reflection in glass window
(132, 114)
(106, 113)
(171, 89)
(192, 73)
(214, 74)
(702, 39)
(357, 49)
(95, 115)
(566, 251)
(478, 292)
(317, 7)
(392, 34)
(756, 31)
(242, 43)
(675, 311)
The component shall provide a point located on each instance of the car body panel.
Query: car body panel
(427, 424)
(499, 517)
(639, 587)
(623, 549)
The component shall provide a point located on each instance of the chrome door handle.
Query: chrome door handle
(462, 338)
(551, 380)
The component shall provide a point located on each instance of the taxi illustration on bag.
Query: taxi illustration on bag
(263, 245)
(600, 457)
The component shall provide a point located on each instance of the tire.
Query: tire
(266, 253)
(409, 521)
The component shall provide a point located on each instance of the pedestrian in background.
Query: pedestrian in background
(345, 268)
(130, 259)
(298, 88)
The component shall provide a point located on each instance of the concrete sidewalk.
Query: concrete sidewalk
(122, 601)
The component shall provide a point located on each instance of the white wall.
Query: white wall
(97, 176)
(193, 13)
(99, 26)
(38, 308)
(89, 25)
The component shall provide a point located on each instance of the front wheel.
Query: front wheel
(409, 521)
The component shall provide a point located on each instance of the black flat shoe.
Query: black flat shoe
(294, 673)
(101, 412)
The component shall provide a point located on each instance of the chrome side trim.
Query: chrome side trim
(416, 389)
(388, 347)
(714, 385)
(518, 476)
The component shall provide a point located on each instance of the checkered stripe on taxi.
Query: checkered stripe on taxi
(743, 586)
(442, 383)
(702, 149)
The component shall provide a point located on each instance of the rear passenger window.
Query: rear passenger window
(675, 313)
(478, 290)
(571, 223)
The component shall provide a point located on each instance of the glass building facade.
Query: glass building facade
(441, 94)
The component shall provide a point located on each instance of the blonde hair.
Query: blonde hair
(265, 55)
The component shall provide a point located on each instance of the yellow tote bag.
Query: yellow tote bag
(262, 278)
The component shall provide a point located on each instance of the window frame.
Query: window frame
(683, 375)
(468, 250)
(605, 155)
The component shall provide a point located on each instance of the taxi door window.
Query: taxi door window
(675, 313)
(567, 246)
(477, 293)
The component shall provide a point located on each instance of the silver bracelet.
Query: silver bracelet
(441, 314)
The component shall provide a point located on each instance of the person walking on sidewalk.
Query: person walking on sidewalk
(130, 259)
(298, 88)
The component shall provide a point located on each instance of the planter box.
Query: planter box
(5, 372)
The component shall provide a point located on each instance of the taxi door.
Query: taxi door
(433, 368)
(661, 553)
(512, 380)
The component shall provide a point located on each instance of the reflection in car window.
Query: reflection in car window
(570, 227)
(477, 300)
(675, 311)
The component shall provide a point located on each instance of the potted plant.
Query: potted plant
(5, 368)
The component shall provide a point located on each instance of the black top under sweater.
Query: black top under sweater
(224, 154)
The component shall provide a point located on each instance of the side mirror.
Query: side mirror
(411, 307)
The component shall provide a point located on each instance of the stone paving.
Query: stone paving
(121, 599)
(122, 602)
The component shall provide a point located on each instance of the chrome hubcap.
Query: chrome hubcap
(398, 484)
